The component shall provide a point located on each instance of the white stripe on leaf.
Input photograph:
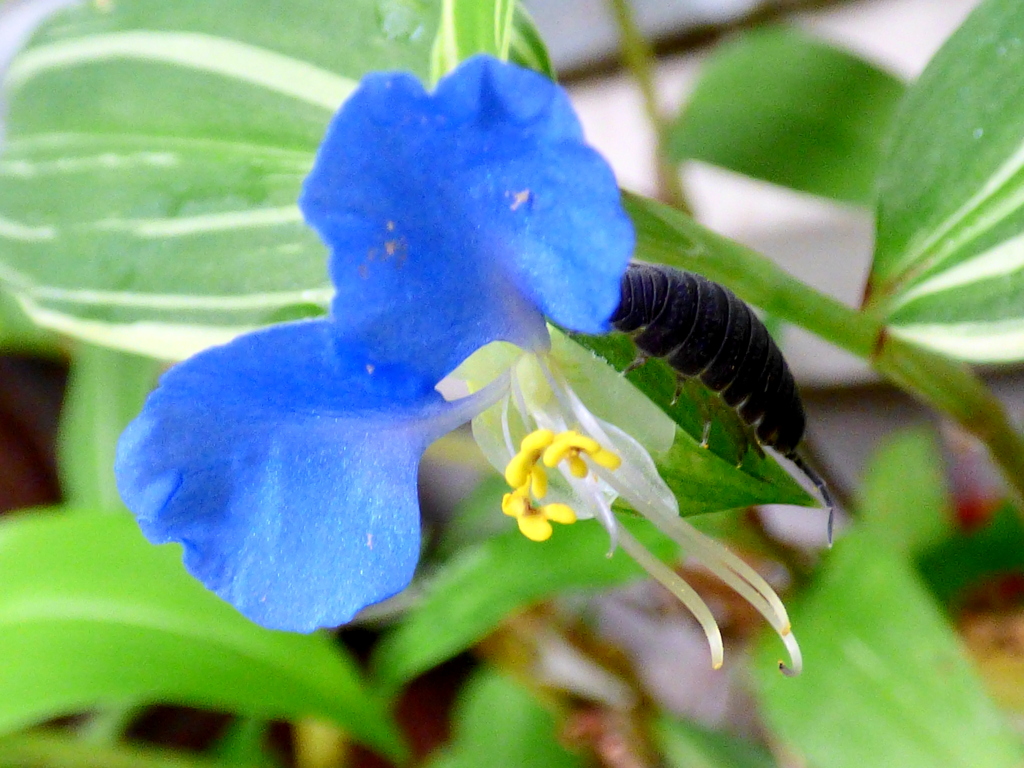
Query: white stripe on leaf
(1005, 259)
(997, 341)
(229, 58)
(939, 245)
(184, 226)
(14, 230)
(105, 161)
(163, 341)
(170, 301)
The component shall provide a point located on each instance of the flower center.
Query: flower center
(598, 463)
(527, 477)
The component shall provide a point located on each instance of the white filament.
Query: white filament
(683, 591)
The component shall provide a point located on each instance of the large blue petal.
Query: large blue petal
(285, 463)
(464, 216)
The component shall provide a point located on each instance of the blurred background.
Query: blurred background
(651, 654)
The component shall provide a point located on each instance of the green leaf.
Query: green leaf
(976, 576)
(949, 262)
(469, 27)
(781, 106)
(884, 682)
(53, 747)
(686, 745)
(965, 560)
(92, 615)
(473, 520)
(904, 497)
(244, 742)
(499, 724)
(527, 47)
(729, 473)
(19, 335)
(105, 391)
(473, 592)
(154, 156)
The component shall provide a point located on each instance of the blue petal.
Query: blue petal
(285, 463)
(464, 216)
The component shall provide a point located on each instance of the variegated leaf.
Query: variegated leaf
(949, 263)
(469, 27)
(155, 153)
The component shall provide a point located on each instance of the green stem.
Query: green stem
(639, 58)
(40, 749)
(669, 237)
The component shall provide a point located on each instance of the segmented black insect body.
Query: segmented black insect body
(703, 329)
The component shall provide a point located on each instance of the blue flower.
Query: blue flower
(465, 215)
(285, 462)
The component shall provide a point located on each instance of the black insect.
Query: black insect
(703, 329)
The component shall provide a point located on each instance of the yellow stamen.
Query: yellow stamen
(534, 523)
(525, 475)
(543, 444)
(534, 527)
(519, 469)
(569, 443)
(578, 466)
(559, 513)
(537, 440)
(606, 459)
(539, 482)
(515, 504)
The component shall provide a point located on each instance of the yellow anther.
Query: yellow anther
(537, 441)
(568, 446)
(534, 522)
(534, 527)
(516, 504)
(520, 468)
(539, 481)
(606, 459)
(569, 443)
(578, 466)
(517, 473)
(559, 513)
(526, 476)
